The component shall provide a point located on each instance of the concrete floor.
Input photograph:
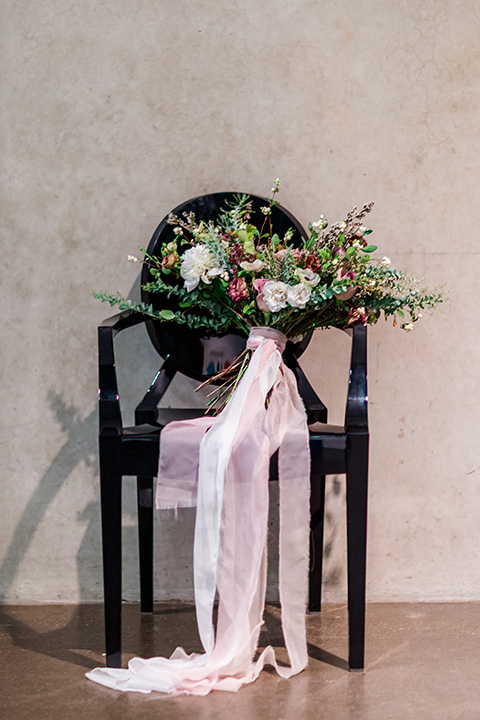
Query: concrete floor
(422, 663)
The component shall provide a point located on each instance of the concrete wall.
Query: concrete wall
(114, 112)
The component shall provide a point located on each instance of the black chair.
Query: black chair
(134, 450)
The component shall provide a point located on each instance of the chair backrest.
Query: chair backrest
(356, 414)
(199, 354)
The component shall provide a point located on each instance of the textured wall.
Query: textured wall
(114, 112)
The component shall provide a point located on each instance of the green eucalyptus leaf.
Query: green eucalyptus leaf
(167, 315)
(369, 248)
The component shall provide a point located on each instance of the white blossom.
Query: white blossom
(319, 224)
(197, 261)
(132, 259)
(214, 272)
(408, 326)
(298, 295)
(386, 262)
(254, 266)
(308, 277)
(275, 295)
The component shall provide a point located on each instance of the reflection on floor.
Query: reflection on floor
(423, 662)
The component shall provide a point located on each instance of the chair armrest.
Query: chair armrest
(110, 416)
(356, 415)
(146, 411)
(315, 409)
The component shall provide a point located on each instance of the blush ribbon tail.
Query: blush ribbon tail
(265, 415)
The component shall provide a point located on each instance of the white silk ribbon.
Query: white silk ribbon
(232, 454)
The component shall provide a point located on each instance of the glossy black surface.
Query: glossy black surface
(134, 451)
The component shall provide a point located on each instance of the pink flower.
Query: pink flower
(169, 261)
(297, 254)
(258, 284)
(237, 289)
(344, 274)
(348, 293)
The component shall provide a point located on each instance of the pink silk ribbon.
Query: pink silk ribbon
(231, 456)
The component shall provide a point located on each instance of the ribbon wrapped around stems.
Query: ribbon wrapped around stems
(231, 456)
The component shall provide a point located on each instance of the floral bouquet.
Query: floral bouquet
(230, 273)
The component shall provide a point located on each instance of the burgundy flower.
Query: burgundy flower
(313, 262)
(237, 254)
(357, 316)
(237, 289)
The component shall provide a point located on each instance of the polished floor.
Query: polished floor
(423, 662)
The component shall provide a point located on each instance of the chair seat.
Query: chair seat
(168, 415)
(323, 429)
(328, 445)
(140, 444)
(140, 449)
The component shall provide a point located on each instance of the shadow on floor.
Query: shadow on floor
(74, 633)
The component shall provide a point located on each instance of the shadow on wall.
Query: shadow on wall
(80, 434)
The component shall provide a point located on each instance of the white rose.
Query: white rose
(299, 295)
(275, 295)
(197, 261)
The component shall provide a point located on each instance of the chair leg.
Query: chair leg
(317, 515)
(111, 509)
(357, 484)
(145, 541)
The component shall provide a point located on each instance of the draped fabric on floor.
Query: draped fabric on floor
(222, 466)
